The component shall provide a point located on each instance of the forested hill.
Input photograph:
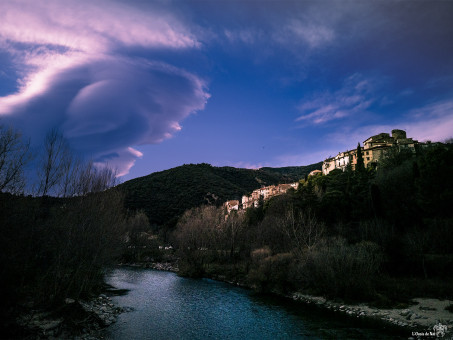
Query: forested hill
(165, 195)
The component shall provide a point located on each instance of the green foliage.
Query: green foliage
(394, 158)
(293, 173)
(434, 185)
(165, 195)
(351, 234)
(360, 165)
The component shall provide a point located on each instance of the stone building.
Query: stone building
(266, 193)
(231, 205)
(374, 149)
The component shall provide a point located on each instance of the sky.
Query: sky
(144, 86)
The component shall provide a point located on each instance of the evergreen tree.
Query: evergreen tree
(359, 166)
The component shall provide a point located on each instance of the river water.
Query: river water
(166, 306)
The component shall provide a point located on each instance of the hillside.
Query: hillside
(165, 195)
(297, 172)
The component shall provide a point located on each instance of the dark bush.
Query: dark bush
(273, 273)
(337, 269)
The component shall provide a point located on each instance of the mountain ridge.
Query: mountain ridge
(165, 195)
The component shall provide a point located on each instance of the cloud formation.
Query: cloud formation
(355, 96)
(76, 70)
(91, 27)
(299, 31)
(433, 121)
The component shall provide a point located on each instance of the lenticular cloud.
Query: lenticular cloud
(75, 70)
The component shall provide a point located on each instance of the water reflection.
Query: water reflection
(169, 307)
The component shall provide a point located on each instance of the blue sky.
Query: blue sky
(148, 85)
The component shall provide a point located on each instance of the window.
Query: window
(368, 158)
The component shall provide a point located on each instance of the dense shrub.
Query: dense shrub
(338, 269)
(60, 248)
(273, 273)
(76, 243)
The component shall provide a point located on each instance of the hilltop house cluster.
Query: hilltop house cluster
(253, 200)
(374, 149)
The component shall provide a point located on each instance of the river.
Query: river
(166, 306)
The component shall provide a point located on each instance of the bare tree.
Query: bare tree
(198, 227)
(68, 184)
(302, 228)
(137, 236)
(91, 178)
(14, 154)
(61, 173)
(232, 227)
(55, 161)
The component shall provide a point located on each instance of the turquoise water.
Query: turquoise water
(166, 306)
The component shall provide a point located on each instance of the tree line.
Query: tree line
(377, 234)
(59, 232)
(165, 195)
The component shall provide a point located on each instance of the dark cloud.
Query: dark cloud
(75, 71)
(106, 107)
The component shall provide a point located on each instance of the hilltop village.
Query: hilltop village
(265, 193)
(374, 149)
(372, 226)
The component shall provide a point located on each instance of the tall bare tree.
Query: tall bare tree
(232, 227)
(61, 173)
(55, 161)
(68, 184)
(14, 154)
(302, 229)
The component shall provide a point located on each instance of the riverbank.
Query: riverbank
(80, 319)
(76, 319)
(419, 315)
(423, 316)
(168, 306)
(165, 266)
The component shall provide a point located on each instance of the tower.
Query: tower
(398, 134)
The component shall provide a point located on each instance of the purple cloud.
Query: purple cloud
(355, 96)
(108, 106)
(76, 72)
